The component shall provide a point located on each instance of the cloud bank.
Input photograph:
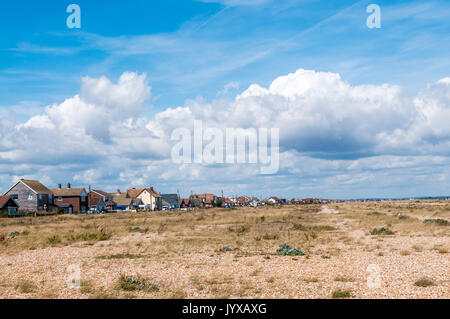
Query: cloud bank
(335, 138)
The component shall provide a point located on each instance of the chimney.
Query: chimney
(68, 185)
(59, 186)
(118, 191)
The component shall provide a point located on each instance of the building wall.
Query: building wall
(148, 199)
(75, 201)
(23, 192)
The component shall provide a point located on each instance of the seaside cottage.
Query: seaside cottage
(203, 200)
(31, 196)
(151, 200)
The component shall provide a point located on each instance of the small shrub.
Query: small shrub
(121, 256)
(14, 234)
(310, 280)
(405, 253)
(440, 250)
(344, 279)
(403, 217)
(439, 222)
(162, 228)
(287, 250)
(239, 229)
(375, 214)
(323, 228)
(339, 294)
(26, 287)
(382, 231)
(54, 240)
(100, 236)
(270, 237)
(424, 282)
(133, 283)
(300, 227)
(225, 249)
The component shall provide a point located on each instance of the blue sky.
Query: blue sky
(205, 53)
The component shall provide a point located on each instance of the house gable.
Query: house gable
(19, 182)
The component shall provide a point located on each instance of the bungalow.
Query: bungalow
(149, 197)
(253, 202)
(8, 207)
(226, 202)
(172, 200)
(274, 201)
(203, 200)
(76, 197)
(242, 201)
(31, 196)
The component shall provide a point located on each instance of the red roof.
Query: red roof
(94, 201)
(184, 201)
(4, 200)
(135, 192)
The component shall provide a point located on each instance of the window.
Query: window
(50, 198)
(83, 198)
(30, 197)
(40, 196)
(15, 196)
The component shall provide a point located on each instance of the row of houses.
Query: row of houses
(211, 200)
(26, 196)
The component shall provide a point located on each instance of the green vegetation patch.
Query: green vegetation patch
(287, 250)
(121, 256)
(440, 222)
(424, 282)
(340, 294)
(132, 283)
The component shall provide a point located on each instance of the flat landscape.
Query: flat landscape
(389, 249)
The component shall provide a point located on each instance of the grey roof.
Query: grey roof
(172, 199)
